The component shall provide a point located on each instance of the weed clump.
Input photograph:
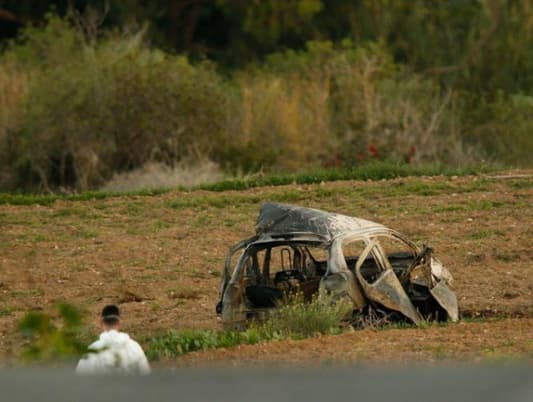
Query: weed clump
(295, 319)
(176, 343)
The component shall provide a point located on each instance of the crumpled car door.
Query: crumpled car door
(446, 298)
(428, 272)
(386, 289)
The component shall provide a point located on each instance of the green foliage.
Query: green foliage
(268, 21)
(370, 171)
(298, 319)
(31, 199)
(295, 319)
(47, 46)
(99, 107)
(507, 135)
(176, 343)
(397, 82)
(481, 46)
(49, 342)
(333, 104)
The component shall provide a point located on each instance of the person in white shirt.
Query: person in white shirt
(114, 352)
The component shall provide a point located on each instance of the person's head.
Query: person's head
(110, 317)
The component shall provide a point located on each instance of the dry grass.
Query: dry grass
(13, 88)
(330, 113)
(153, 176)
(288, 117)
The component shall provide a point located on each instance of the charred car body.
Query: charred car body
(305, 250)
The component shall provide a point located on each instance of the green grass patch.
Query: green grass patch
(363, 194)
(49, 199)
(4, 312)
(26, 293)
(295, 320)
(406, 189)
(484, 205)
(176, 343)
(483, 234)
(374, 171)
(525, 184)
(160, 225)
(40, 238)
(469, 206)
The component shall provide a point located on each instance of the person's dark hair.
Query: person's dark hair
(110, 314)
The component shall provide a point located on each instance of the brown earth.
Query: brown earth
(480, 342)
(160, 258)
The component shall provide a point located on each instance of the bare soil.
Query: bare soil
(160, 257)
(492, 341)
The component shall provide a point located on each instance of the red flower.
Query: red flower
(408, 157)
(373, 151)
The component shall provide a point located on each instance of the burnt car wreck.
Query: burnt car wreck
(306, 250)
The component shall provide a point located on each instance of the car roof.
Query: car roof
(278, 220)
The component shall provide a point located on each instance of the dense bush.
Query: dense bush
(95, 107)
(504, 128)
(78, 108)
(345, 105)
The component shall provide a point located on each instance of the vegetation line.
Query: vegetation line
(375, 171)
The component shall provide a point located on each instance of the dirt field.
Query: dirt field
(160, 257)
(480, 342)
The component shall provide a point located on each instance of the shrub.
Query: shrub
(298, 319)
(95, 108)
(504, 128)
(368, 107)
(285, 121)
(294, 319)
(49, 342)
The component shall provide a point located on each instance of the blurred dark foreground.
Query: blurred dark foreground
(397, 384)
